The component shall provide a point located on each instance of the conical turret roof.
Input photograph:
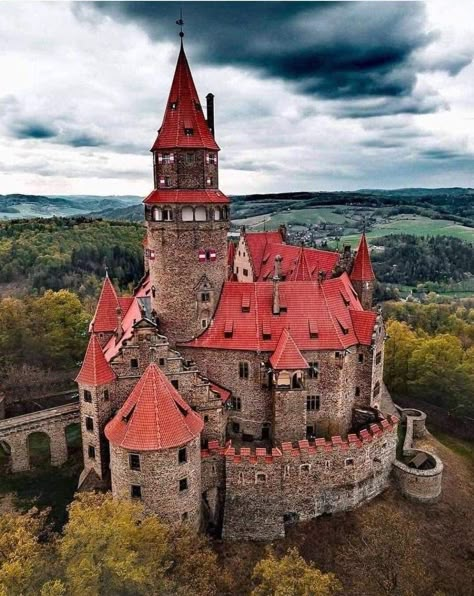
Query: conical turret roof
(105, 317)
(154, 416)
(362, 267)
(184, 113)
(95, 369)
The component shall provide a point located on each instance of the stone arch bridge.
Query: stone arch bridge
(53, 422)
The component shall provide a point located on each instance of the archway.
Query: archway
(5, 458)
(39, 450)
(73, 440)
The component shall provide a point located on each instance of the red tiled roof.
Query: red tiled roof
(223, 393)
(257, 243)
(105, 318)
(187, 114)
(95, 369)
(186, 196)
(286, 355)
(318, 316)
(364, 322)
(298, 263)
(154, 416)
(362, 267)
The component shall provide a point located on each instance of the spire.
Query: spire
(105, 318)
(362, 267)
(154, 416)
(95, 369)
(287, 355)
(184, 124)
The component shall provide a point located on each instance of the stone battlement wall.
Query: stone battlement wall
(302, 480)
(422, 485)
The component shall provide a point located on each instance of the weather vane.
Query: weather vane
(180, 22)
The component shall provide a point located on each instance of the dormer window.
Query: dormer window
(173, 105)
(189, 132)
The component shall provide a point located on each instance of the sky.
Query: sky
(309, 95)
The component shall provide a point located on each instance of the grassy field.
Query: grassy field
(316, 215)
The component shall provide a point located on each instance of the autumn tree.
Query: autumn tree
(290, 575)
(384, 558)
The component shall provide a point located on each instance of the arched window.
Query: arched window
(187, 214)
(297, 380)
(200, 214)
(284, 379)
(217, 214)
(157, 214)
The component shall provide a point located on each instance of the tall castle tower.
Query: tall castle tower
(187, 217)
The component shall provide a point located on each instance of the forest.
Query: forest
(51, 254)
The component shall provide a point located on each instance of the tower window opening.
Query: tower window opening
(205, 297)
(313, 402)
(217, 214)
(212, 158)
(167, 215)
(87, 396)
(361, 358)
(378, 358)
(136, 491)
(89, 423)
(236, 403)
(200, 214)
(376, 389)
(349, 461)
(244, 370)
(134, 363)
(106, 395)
(134, 461)
(157, 214)
(167, 181)
(313, 371)
(357, 391)
(260, 478)
(183, 484)
(189, 157)
(91, 452)
(167, 157)
(175, 383)
(182, 455)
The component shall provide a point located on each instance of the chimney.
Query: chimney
(283, 232)
(119, 331)
(210, 112)
(276, 289)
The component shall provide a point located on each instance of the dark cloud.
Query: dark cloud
(83, 140)
(340, 50)
(32, 130)
(442, 154)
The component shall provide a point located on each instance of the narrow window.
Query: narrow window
(167, 181)
(313, 371)
(175, 383)
(337, 355)
(212, 158)
(376, 389)
(161, 361)
(166, 158)
(182, 456)
(378, 358)
(357, 392)
(245, 272)
(183, 484)
(236, 403)
(206, 418)
(106, 394)
(361, 358)
(167, 215)
(136, 491)
(189, 157)
(134, 363)
(87, 396)
(91, 452)
(244, 370)
(89, 423)
(205, 297)
(203, 323)
(184, 516)
(134, 461)
(309, 432)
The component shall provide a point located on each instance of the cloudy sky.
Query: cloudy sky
(309, 95)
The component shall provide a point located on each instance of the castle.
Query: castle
(240, 387)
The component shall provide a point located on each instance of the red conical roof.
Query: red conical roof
(154, 416)
(184, 110)
(105, 318)
(362, 267)
(287, 355)
(95, 369)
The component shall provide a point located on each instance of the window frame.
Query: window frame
(134, 462)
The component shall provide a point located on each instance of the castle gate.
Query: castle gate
(15, 434)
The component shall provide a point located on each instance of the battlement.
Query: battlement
(303, 447)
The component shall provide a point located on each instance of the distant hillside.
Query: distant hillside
(20, 206)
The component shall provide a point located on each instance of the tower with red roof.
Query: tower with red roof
(362, 274)
(187, 216)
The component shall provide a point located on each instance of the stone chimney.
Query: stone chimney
(119, 332)
(210, 112)
(276, 289)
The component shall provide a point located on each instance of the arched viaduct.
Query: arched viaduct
(53, 422)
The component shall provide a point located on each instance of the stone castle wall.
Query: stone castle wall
(178, 298)
(264, 490)
(159, 479)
